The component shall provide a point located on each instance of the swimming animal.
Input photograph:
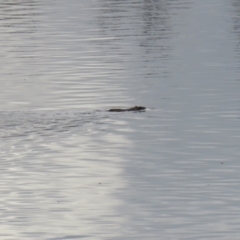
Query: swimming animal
(133, 109)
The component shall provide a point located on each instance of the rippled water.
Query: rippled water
(72, 170)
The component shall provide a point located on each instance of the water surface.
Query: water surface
(72, 170)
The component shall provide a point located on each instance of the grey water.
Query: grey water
(71, 170)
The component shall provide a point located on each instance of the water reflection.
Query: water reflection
(140, 32)
(236, 20)
(143, 34)
(156, 24)
(60, 175)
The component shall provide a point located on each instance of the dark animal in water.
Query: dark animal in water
(133, 109)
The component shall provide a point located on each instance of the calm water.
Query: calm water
(71, 170)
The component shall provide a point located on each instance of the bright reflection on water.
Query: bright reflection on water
(72, 170)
